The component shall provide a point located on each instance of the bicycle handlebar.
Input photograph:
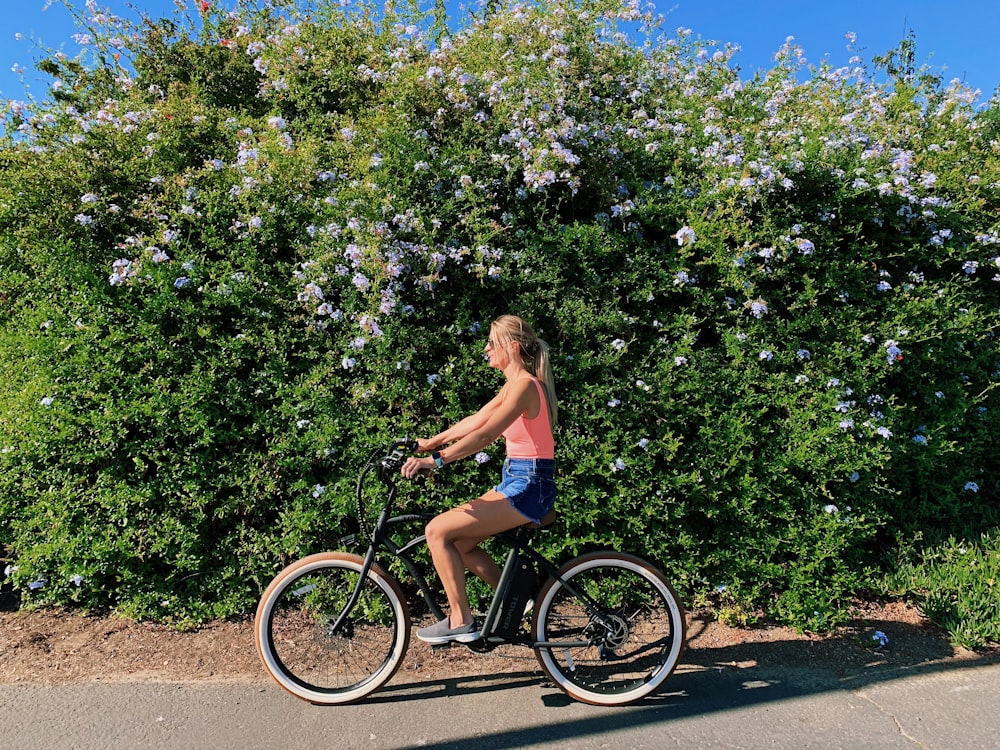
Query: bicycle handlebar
(388, 462)
(395, 457)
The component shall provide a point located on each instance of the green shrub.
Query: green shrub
(229, 274)
(955, 584)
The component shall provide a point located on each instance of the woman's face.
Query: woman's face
(495, 354)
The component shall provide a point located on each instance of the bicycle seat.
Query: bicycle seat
(547, 520)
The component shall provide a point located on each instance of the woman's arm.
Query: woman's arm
(521, 397)
(463, 428)
(481, 429)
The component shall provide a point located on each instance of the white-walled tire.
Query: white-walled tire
(634, 635)
(294, 636)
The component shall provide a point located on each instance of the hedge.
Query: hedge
(241, 248)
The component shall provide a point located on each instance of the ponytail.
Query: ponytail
(535, 357)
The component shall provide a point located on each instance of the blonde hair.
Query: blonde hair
(534, 356)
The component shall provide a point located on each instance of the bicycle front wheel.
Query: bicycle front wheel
(295, 636)
(611, 628)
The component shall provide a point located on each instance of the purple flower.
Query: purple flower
(805, 246)
(685, 236)
(758, 308)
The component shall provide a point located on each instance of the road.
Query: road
(948, 706)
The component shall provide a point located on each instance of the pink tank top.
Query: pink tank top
(531, 438)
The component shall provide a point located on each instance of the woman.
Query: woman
(524, 412)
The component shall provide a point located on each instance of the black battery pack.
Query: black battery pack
(517, 596)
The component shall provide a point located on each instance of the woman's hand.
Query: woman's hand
(425, 445)
(415, 466)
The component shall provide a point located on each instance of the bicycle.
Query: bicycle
(331, 628)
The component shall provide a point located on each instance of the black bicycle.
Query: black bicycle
(333, 627)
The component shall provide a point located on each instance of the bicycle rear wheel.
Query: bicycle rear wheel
(293, 629)
(620, 625)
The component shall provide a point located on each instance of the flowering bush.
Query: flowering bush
(232, 268)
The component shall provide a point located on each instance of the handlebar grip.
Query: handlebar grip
(396, 457)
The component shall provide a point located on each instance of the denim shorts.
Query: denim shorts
(530, 485)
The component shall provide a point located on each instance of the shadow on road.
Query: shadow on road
(469, 685)
(716, 679)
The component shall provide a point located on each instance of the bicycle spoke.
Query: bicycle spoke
(309, 657)
(634, 635)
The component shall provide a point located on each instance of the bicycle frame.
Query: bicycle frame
(515, 539)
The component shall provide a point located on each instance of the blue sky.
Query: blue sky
(956, 38)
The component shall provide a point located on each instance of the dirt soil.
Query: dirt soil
(54, 647)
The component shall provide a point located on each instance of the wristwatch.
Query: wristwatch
(438, 461)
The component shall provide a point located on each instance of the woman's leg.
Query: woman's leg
(478, 562)
(453, 537)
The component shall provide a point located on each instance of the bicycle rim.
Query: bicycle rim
(294, 629)
(634, 635)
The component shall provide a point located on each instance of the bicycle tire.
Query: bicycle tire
(292, 629)
(634, 636)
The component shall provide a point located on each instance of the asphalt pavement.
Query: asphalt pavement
(949, 705)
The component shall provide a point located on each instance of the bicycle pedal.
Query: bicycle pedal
(480, 646)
